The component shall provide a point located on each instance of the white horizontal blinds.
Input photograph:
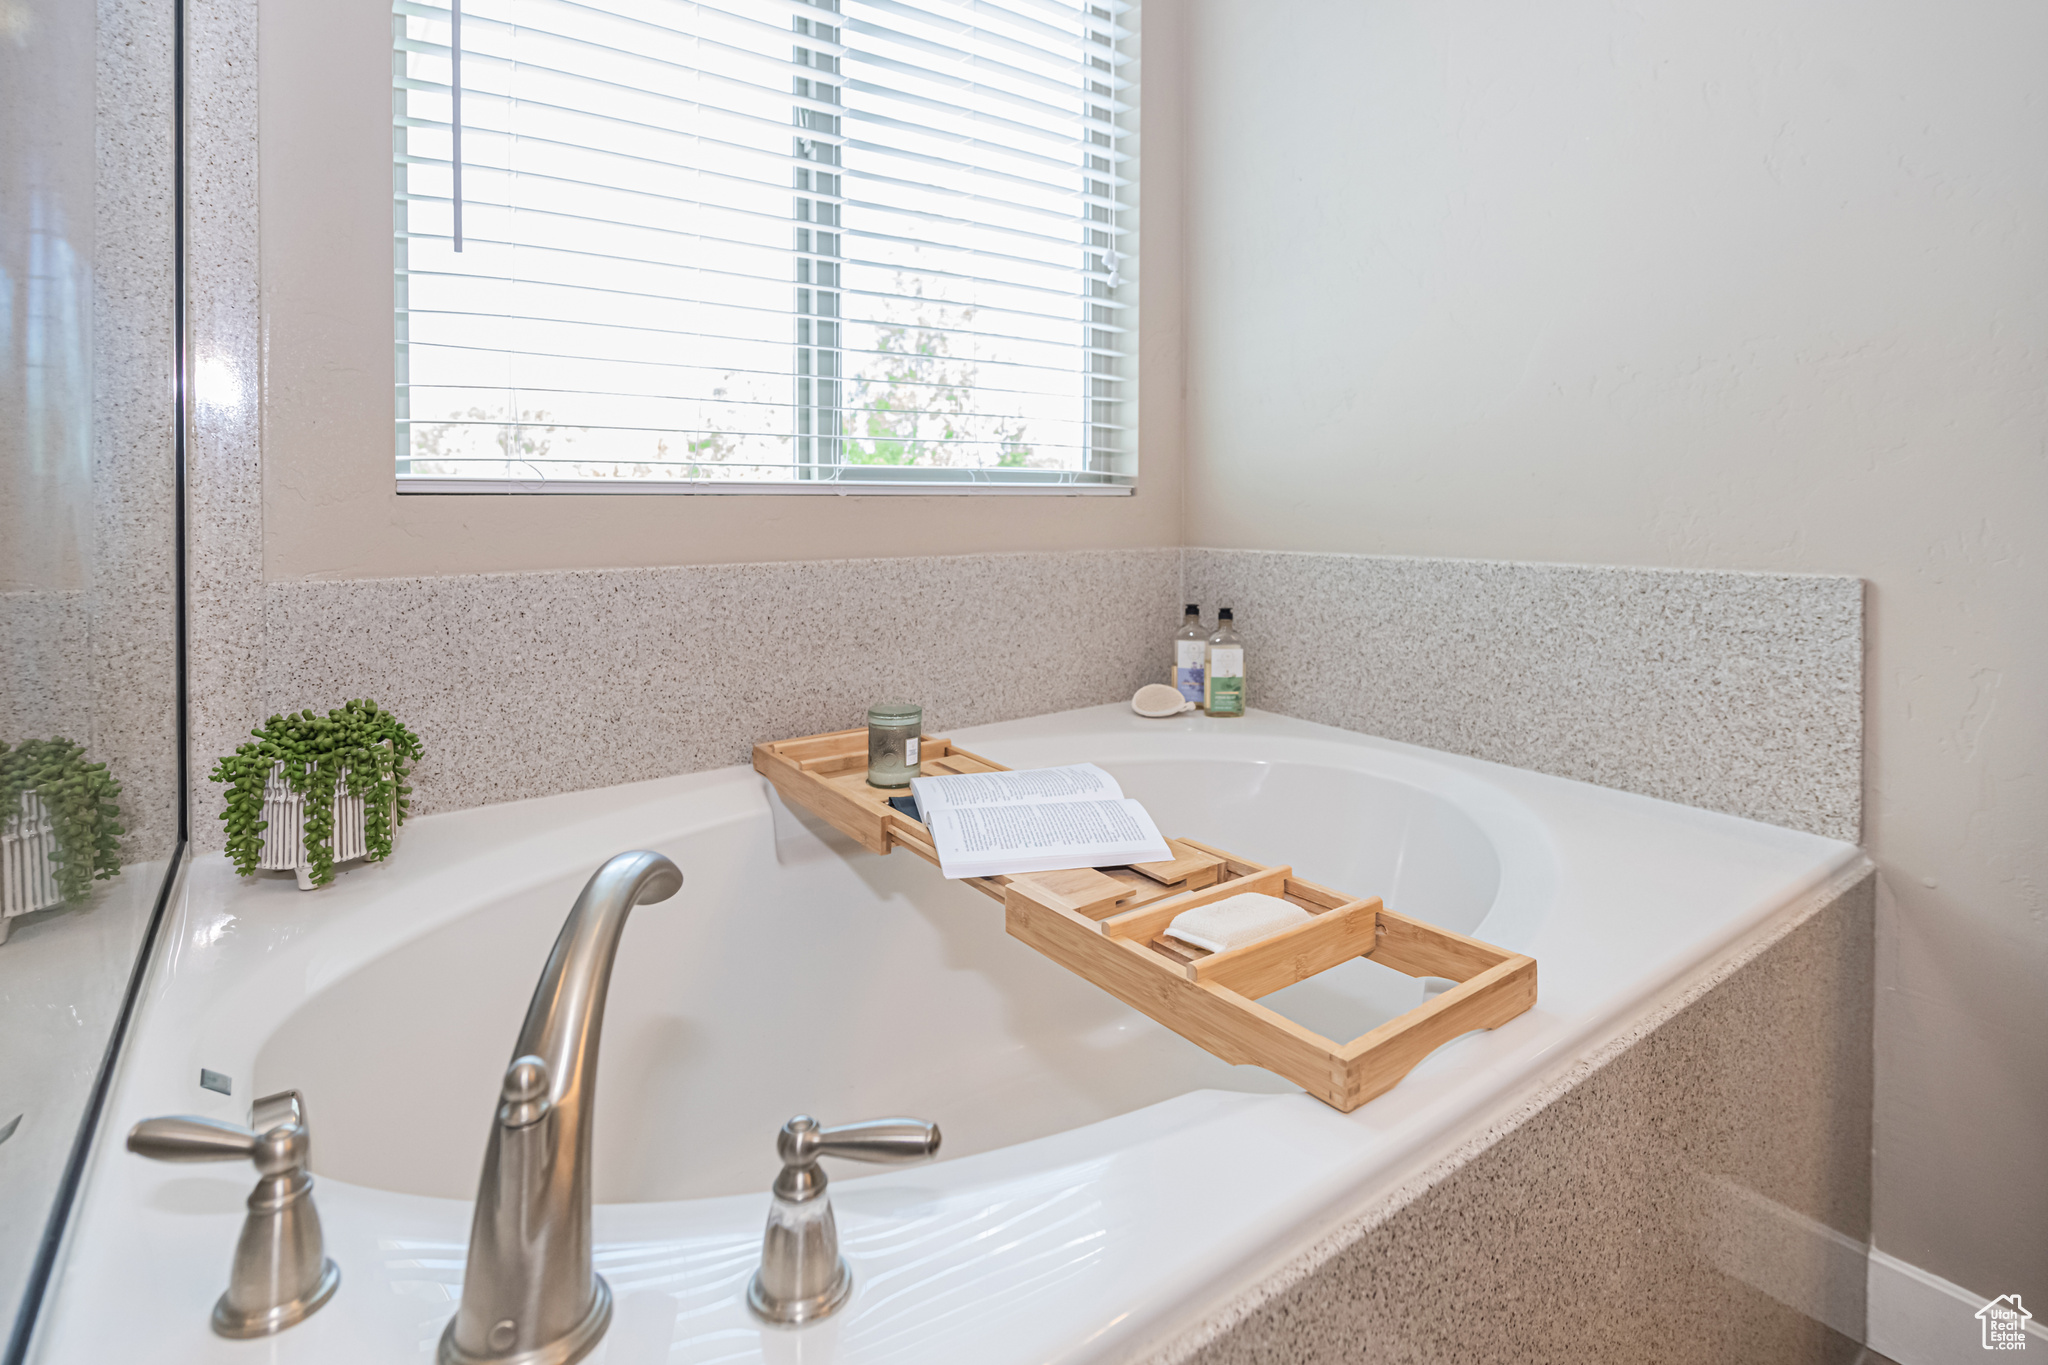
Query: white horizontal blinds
(1103, 184)
(621, 304)
(819, 150)
(659, 198)
(762, 240)
(970, 131)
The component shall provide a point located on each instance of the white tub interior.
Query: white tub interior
(798, 974)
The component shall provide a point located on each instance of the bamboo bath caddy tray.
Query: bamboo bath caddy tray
(1108, 925)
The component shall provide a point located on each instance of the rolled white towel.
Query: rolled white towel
(1235, 921)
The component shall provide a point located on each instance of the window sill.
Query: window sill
(432, 487)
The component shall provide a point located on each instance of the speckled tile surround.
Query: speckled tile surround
(1738, 692)
(528, 684)
(43, 682)
(1593, 1223)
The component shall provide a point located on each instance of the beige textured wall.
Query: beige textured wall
(328, 502)
(1752, 285)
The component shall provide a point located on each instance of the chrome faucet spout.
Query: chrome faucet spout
(530, 1294)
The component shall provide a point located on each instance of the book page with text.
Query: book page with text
(989, 841)
(1076, 781)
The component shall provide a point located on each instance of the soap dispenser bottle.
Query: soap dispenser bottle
(1190, 655)
(1225, 668)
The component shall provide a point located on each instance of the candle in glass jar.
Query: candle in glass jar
(895, 732)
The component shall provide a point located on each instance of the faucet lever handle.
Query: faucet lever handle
(278, 1143)
(187, 1138)
(891, 1140)
(802, 1141)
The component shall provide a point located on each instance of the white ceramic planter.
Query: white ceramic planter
(28, 862)
(284, 838)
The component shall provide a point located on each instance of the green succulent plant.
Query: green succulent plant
(83, 801)
(358, 747)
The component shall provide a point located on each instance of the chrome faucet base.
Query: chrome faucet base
(797, 1312)
(243, 1324)
(578, 1342)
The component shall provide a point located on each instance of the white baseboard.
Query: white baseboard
(1898, 1310)
(1918, 1318)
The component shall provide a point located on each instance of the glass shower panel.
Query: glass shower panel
(90, 824)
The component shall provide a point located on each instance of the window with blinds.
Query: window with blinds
(764, 245)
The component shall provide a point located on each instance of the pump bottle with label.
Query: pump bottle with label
(1190, 652)
(1224, 668)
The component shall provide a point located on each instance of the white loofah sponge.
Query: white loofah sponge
(1157, 699)
(1235, 921)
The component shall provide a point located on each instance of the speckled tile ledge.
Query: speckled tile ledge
(1737, 692)
(528, 684)
(1590, 1221)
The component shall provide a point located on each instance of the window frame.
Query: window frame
(861, 480)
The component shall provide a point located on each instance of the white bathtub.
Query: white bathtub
(1104, 1182)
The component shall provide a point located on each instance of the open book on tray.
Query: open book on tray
(1035, 820)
